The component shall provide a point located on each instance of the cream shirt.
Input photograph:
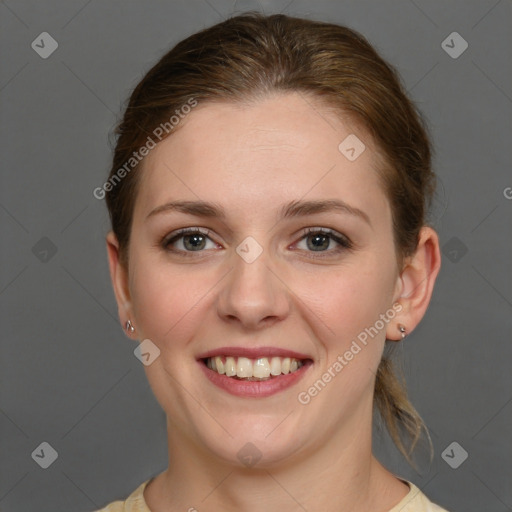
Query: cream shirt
(414, 501)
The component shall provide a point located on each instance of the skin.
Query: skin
(252, 159)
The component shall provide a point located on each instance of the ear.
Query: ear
(119, 277)
(416, 283)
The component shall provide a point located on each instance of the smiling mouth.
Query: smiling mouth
(259, 369)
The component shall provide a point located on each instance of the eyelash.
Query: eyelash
(343, 242)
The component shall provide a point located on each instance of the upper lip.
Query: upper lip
(252, 352)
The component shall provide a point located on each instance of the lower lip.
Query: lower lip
(255, 389)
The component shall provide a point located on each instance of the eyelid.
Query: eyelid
(328, 231)
(192, 229)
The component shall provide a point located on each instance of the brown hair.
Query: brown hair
(251, 56)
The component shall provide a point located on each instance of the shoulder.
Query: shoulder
(133, 503)
(416, 501)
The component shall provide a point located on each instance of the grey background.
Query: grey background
(68, 374)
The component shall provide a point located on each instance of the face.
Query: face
(266, 280)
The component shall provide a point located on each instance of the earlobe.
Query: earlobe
(417, 281)
(119, 278)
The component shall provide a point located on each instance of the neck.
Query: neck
(341, 475)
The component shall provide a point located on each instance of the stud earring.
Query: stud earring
(129, 327)
(401, 328)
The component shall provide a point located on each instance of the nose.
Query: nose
(253, 294)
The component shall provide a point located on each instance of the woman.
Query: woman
(268, 197)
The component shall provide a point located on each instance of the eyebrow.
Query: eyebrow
(289, 210)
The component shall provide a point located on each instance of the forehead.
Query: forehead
(254, 157)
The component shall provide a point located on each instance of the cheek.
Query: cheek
(351, 299)
(350, 302)
(165, 300)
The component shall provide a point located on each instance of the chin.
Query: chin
(254, 443)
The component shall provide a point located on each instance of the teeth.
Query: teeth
(229, 366)
(275, 366)
(245, 368)
(219, 365)
(261, 368)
